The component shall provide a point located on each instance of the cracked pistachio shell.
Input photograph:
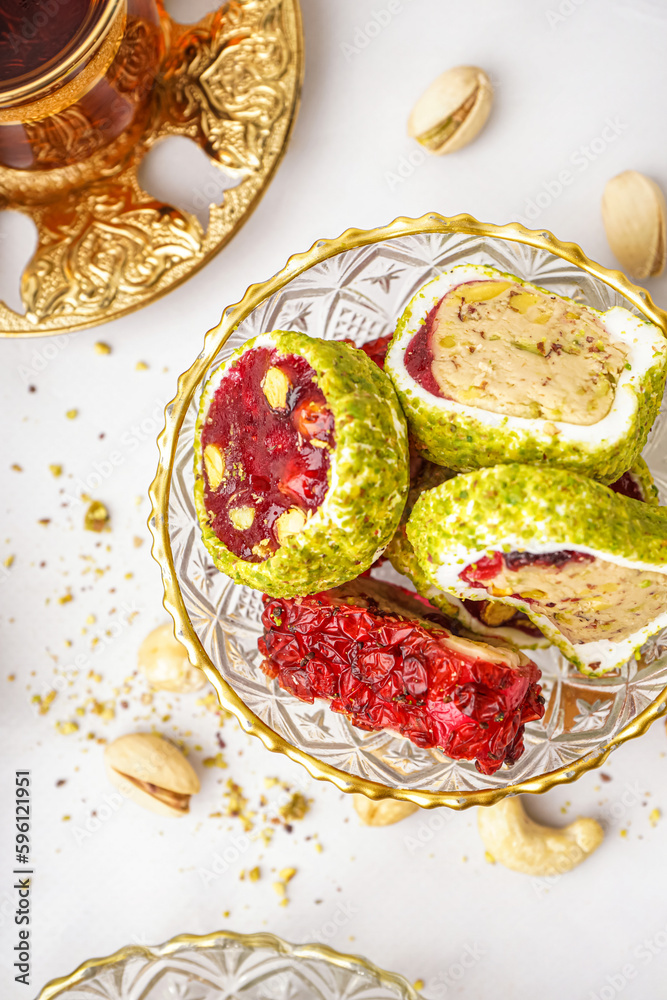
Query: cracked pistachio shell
(633, 212)
(164, 663)
(382, 813)
(153, 760)
(452, 111)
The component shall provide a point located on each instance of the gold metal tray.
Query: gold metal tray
(356, 286)
(231, 83)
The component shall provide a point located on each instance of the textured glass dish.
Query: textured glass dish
(359, 293)
(233, 966)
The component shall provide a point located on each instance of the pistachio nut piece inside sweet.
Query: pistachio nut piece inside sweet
(151, 771)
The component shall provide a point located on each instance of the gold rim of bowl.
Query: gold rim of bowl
(353, 963)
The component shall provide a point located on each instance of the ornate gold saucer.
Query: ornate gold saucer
(243, 966)
(356, 286)
(231, 83)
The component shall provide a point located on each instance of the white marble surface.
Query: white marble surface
(418, 897)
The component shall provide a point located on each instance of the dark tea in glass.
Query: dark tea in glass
(75, 77)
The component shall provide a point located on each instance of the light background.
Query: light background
(418, 896)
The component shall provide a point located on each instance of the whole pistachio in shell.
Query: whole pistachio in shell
(164, 663)
(384, 812)
(451, 112)
(633, 212)
(151, 771)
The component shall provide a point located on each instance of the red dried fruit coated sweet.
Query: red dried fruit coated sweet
(386, 659)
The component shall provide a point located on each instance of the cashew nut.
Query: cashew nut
(382, 813)
(523, 845)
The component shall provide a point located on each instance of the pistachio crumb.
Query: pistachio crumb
(296, 808)
(45, 702)
(97, 516)
(67, 728)
(237, 805)
(286, 876)
(217, 761)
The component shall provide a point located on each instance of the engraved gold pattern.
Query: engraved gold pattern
(641, 699)
(231, 83)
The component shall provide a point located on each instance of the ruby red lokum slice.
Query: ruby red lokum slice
(301, 463)
(386, 659)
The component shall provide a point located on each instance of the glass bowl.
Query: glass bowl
(357, 286)
(234, 966)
